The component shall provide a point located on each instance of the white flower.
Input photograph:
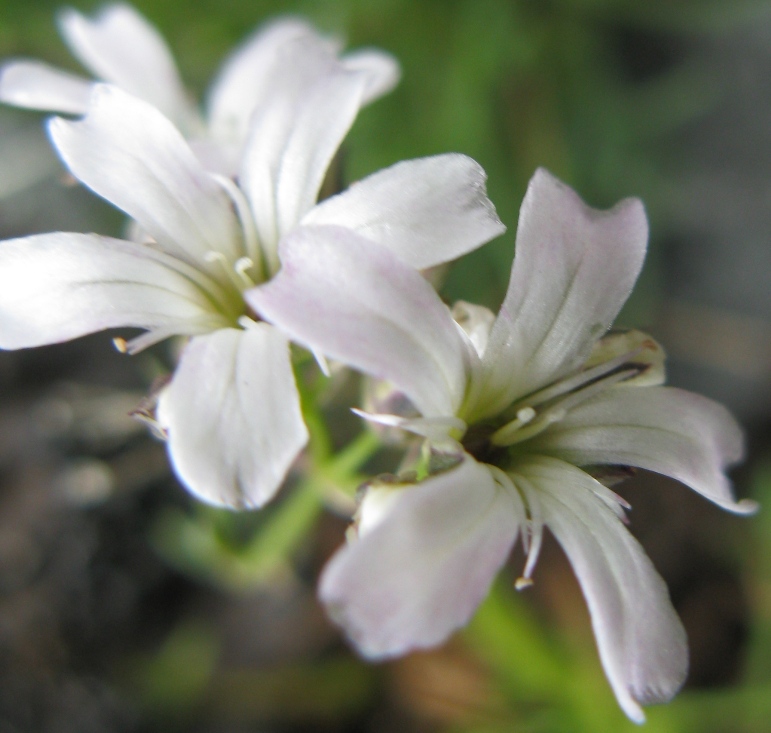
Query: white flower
(120, 47)
(232, 411)
(516, 406)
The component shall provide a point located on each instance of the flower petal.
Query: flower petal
(56, 287)
(119, 46)
(640, 639)
(573, 269)
(424, 567)
(427, 211)
(663, 429)
(129, 153)
(476, 322)
(250, 75)
(294, 135)
(352, 300)
(382, 70)
(233, 417)
(35, 85)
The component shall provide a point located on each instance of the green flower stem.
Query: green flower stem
(201, 545)
(296, 515)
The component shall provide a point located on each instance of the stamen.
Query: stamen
(534, 529)
(559, 410)
(219, 298)
(524, 416)
(575, 382)
(244, 213)
(242, 265)
(536, 427)
(156, 335)
(436, 429)
(596, 387)
(230, 270)
(146, 340)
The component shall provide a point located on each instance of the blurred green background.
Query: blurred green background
(126, 607)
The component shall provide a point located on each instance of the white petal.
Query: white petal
(420, 573)
(129, 153)
(640, 639)
(233, 417)
(427, 211)
(121, 47)
(573, 269)
(352, 300)
(56, 287)
(476, 322)
(294, 135)
(663, 429)
(382, 70)
(320, 125)
(35, 85)
(250, 75)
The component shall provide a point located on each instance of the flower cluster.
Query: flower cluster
(524, 418)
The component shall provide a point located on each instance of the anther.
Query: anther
(506, 437)
(244, 213)
(214, 256)
(120, 344)
(524, 416)
(236, 276)
(242, 265)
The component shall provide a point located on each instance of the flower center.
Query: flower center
(527, 417)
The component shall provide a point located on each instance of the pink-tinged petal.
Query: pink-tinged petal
(130, 154)
(232, 414)
(294, 134)
(319, 128)
(642, 644)
(35, 85)
(420, 572)
(251, 75)
(663, 429)
(382, 70)
(352, 300)
(119, 46)
(56, 287)
(573, 269)
(427, 211)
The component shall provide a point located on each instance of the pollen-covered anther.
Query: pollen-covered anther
(522, 583)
